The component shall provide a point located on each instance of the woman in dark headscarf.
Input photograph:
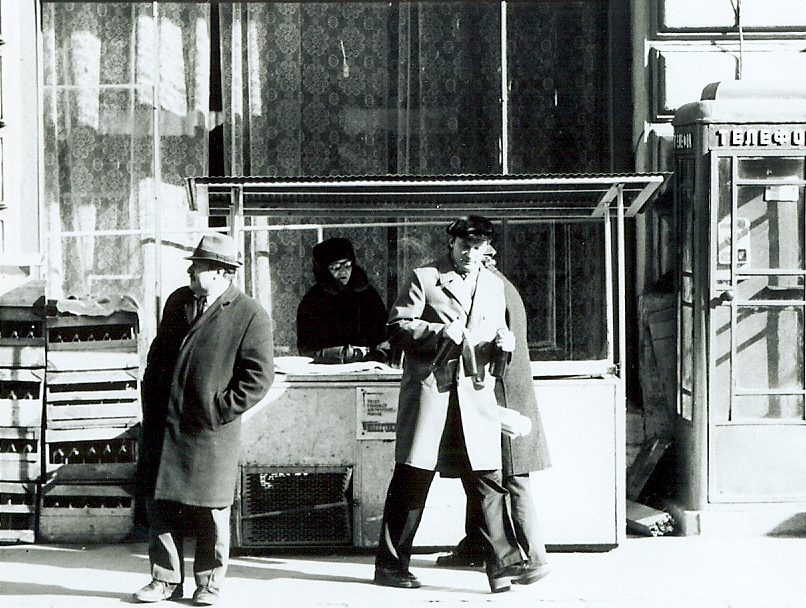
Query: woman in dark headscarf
(342, 318)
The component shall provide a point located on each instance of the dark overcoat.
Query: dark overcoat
(529, 453)
(331, 315)
(199, 379)
(432, 297)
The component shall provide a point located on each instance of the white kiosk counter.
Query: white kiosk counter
(307, 430)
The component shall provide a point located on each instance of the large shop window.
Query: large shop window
(373, 88)
(140, 95)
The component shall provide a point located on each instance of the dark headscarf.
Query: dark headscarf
(327, 252)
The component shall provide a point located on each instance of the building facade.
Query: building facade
(108, 107)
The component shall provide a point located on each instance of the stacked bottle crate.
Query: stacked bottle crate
(22, 371)
(92, 414)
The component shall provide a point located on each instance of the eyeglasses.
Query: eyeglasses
(336, 266)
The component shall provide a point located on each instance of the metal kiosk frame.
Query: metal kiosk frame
(586, 483)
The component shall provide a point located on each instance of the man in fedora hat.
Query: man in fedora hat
(211, 360)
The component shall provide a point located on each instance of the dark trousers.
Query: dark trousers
(403, 511)
(169, 523)
(524, 522)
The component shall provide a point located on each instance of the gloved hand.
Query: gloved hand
(353, 354)
(341, 354)
(505, 340)
(330, 355)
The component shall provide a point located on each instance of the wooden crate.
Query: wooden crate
(22, 337)
(18, 506)
(92, 343)
(20, 453)
(21, 397)
(98, 454)
(85, 513)
(21, 353)
(97, 358)
(92, 398)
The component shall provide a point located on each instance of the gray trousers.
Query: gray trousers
(169, 523)
(524, 521)
(403, 510)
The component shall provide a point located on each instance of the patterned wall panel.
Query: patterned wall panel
(558, 107)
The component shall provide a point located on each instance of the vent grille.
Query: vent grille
(296, 506)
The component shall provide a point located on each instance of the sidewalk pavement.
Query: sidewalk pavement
(645, 572)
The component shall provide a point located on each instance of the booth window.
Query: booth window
(760, 262)
(559, 240)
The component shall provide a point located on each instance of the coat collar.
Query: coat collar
(452, 282)
(225, 299)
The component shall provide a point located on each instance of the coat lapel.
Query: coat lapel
(190, 311)
(451, 282)
(223, 300)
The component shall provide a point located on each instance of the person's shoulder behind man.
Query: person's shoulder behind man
(181, 295)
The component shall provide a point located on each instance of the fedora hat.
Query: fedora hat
(218, 248)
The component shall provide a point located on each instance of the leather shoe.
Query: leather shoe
(501, 580)
(399, 579)
(460, 560)
(532, 574)
(205, 596)
(157, 591)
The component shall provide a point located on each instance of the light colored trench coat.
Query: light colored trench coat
(432, 297)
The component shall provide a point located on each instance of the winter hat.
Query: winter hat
(472, 227)
(331, 250)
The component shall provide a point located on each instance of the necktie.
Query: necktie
(201, 304)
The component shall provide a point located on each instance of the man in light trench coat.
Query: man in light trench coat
(521, 455)
(211, 360)
(447, 411)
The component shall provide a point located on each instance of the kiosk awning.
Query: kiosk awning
(564, 196)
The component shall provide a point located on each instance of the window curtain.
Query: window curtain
(328, 89)
(352, 88)
(558, 87)
(114, 176)
(361, 88)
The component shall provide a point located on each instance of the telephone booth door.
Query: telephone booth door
(757, 435)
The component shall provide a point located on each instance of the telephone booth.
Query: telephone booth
(740, 172)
